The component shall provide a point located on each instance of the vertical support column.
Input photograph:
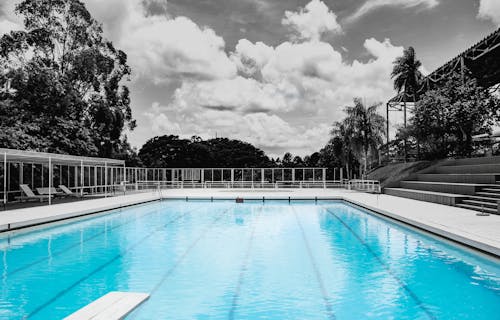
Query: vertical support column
(262, 176)
(75, 180)
(136, 181)
(21, 175)
(293, 175)
(50, 181)
(4, 178)
(387, 126)
(95, 179)
(82, 176)
(314, 178)
(324, 178)
(232, 176)
(105, 179)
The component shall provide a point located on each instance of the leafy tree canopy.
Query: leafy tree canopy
(66, 95)
(446, 118)
(172, 152)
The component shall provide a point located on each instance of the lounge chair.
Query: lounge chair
(49, 191)
(29, 195)
(68, 192)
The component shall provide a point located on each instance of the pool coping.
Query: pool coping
(22, 219)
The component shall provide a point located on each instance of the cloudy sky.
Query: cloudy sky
(276, 73)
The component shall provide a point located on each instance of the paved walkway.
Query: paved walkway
(19, 218)
(458, 224)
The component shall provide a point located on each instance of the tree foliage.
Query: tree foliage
(406, 74)
(67, 94)
(172, 152)
(359, 134)
(446, 118)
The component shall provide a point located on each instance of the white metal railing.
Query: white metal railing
(364, 185)
(148, 185)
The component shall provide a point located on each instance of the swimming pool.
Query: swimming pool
(272, 260)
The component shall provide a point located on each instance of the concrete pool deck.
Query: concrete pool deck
(457, 224)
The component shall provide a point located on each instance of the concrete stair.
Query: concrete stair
(479, 178)
(466, 183)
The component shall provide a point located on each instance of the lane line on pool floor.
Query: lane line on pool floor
(188, 250)
(106, 264)
(401, 283)
(317, 273)
(244, 267)
(92, 237)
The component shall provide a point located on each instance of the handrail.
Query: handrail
(364, 185)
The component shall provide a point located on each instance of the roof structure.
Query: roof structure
(482, 60)
(11, 155)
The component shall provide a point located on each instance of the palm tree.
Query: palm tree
(342, 130)
(367, 128)
(407, 77)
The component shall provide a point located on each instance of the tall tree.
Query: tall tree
(67, 82)
(366, 128)
(446, 118)
(407, 78)
(343, 134)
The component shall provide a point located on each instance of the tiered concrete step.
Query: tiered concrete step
(479, 203)
(443, 187)
(480, 178)
(470, 168)
(478, 208)
(479, 160)
(486, 200)
(429, 196)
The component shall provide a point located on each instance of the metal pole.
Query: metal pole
(81, 177)
(21, 174)
(105, 179)
(387, 125)
(50, 181)
(4, 178)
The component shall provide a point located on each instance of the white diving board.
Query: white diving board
(111, 306)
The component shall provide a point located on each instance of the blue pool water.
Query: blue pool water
(221, 260)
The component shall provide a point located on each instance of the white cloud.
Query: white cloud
(160, 123)
(302, 90)
(280, 98)
(250, 58)
(312, 21)
(371, 5)
(490, 9)
(162, 48)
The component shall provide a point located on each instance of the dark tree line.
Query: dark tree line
(173, 152)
